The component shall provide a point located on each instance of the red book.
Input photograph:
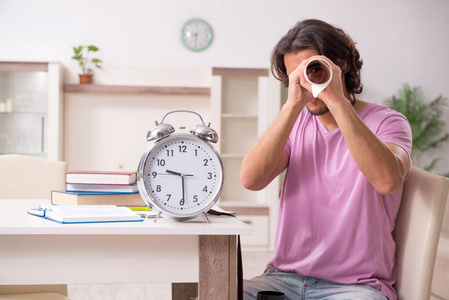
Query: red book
(101, 177)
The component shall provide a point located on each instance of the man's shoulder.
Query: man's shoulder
(379, 111)
(382, 119)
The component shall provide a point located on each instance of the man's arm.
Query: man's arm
(385, 165)
(267, 158)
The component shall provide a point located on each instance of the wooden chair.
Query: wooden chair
(417, 232)
(25, 177)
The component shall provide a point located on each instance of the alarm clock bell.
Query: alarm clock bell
(203, 131)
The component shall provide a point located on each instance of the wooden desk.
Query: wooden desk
(38, 251)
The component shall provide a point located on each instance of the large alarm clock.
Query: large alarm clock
(181, 174)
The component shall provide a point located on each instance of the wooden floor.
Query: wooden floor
(253, 264)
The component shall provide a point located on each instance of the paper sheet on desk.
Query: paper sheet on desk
(149, 214)
(216, 210)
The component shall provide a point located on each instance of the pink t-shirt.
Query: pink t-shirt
(332, 223)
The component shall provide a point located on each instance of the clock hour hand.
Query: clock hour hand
(173, 172)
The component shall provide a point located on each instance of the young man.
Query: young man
(346, 162)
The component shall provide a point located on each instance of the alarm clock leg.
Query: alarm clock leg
(205, 217)
(157, 216)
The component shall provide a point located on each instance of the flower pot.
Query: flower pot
(85, 78)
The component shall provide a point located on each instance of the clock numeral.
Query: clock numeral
(209, 175)
(158, 188)
(161, 162)
(169, 153)
(196, 152)
(195, 198)
(154, 174)
(205, 189)
(181, 202)
(206, 162)
(182, 149)
(168, 197)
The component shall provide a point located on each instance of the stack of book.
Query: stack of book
(99, 188)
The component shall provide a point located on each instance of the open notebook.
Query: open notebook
(70, 214)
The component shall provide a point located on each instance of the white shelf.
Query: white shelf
(20, 113)
(129, 89)
(239, 116)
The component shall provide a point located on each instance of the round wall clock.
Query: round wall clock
(196, 34)
(181, 174)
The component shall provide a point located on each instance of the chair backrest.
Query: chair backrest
(30, 177)
(417, 232)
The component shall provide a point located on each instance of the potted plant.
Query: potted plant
(425, 121)
(86, 63)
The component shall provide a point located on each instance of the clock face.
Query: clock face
(181, 175)
(196, 34)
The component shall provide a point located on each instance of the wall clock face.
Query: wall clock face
(181, 175)
(196, 34)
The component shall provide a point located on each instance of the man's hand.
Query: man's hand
(334, 92)
(295, 89)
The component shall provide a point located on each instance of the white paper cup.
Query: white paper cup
(319, 74)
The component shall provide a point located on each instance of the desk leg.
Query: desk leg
(218, 267)
(218, 271)
(184, 291)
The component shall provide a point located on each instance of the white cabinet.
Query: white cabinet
(239, 104)
(31, 109)
(243, 103)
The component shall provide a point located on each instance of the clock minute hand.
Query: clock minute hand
(182, 202)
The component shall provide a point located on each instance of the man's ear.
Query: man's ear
(343, 65)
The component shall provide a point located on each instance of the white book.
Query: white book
(101, 177)
(111, 188)
(66, 214)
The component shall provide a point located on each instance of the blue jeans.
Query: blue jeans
(298, 287)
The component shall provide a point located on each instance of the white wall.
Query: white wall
(401, 41)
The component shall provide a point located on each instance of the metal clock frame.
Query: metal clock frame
(164, 133)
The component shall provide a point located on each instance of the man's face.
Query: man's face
(292, 60)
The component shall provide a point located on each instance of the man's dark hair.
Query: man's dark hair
(326, 40)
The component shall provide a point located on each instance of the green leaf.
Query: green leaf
(432, 165)
(92, 48)
(77, 50)
(96, 60)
